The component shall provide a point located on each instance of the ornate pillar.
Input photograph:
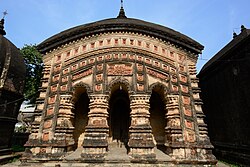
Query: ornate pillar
(95, 143)
(63, 135)
(33, 145)
(141, 141)
(174, 136)
(204, 147)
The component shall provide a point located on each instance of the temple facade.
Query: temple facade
(123, 81)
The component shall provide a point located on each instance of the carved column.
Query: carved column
(95, 143)
(63, 136)
(41, 104)
(198, 102)
(174, 137)
(204, 147)
(141, 139)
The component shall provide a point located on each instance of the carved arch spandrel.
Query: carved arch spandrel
(78, 89)
(121, 81)
(163, 90)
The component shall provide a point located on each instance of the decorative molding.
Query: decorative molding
(120, 69)
(121, 81)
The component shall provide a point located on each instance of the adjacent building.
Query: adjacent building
(12, 76)
(224, 81)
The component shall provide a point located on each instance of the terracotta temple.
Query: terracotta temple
(123, 81)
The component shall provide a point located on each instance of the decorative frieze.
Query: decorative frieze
(119, 69)
(175, 88)
(165, 67)
(98, 87)
(50, 111)
(139, 58)
(99, 77)
(56, 78)
(183, 78)
(108, 57)
(139, 67)
(65, 79)
(187, 111)
(158, 75)
(91, 60)
(74, 67)
(66, 71)
(116, 56)
(184, 89)
(64, 88)
(140, 77)
(82, 74)
(174, 78)
(140, 87)
(189, 136)
(99, 67)
(45, 137)
(47, 124)
(53, 88)
(83, 63)
(57, 68)
(189, 124)
(124, 56)
(52, 99)
(186, 100)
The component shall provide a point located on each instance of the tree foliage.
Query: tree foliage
(34, 67)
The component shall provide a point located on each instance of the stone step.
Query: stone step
(117, 153)
(75, 156)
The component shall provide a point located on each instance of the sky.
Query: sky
(209, 22)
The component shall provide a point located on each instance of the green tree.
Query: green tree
(34, 67)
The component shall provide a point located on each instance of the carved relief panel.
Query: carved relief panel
(119, 69)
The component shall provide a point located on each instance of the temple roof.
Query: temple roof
(224, 52)
(12, 67)
(120, 24)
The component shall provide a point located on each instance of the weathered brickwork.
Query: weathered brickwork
(118, 71)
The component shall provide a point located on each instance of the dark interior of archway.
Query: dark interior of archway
(81, 119)
(157, 118)
(119, 116)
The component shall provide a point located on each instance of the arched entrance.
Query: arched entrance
(81, 116)
(158, 116)
(119, 116)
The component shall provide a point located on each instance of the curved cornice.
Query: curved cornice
(120, 25)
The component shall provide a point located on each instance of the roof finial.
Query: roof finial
(2, 32)
(234, 34)
(122, 12)
(121, 3)
(243, 28)
(5, 13)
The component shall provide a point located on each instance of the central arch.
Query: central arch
(119, 115)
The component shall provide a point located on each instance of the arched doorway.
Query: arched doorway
(119, 116)
(81, 117)
(158, 117)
